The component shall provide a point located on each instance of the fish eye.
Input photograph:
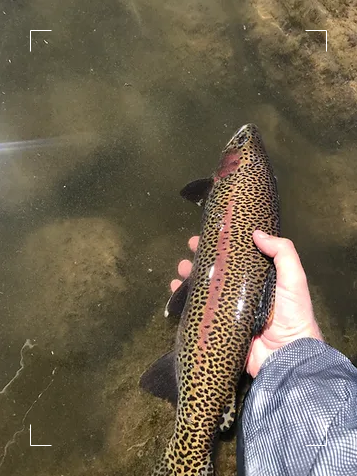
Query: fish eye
(242, 139)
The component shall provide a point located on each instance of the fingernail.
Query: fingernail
(261, 234)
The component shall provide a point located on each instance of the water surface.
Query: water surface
(105, 120)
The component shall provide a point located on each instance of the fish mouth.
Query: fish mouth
(242, 136)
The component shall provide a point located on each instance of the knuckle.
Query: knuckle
(288, 243)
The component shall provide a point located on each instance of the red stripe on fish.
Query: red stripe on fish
(217, 279)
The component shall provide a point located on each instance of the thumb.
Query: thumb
(290, 272)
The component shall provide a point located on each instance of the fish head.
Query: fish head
(245, 147)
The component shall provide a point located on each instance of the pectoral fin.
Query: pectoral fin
(160, 378)
(177, 301)
(198, 190)
(265, 308)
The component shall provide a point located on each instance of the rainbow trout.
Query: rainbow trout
(227, 299)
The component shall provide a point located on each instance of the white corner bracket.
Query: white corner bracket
(325, 444)
(321, 30)
(31, 441)
(31, 33)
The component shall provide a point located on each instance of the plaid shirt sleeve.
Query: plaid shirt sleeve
(300, 415)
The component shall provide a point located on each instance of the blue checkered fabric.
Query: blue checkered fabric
(300, 415)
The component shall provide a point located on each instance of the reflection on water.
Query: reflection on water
(143, 98)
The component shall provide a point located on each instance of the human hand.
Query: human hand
(293, 314)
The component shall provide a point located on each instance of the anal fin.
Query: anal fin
(160, 378)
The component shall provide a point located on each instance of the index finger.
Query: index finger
(193, 243)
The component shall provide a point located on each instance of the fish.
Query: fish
(227, 300)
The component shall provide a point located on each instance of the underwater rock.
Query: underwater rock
(316, 85)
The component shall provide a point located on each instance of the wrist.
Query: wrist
(306, 329)
(263, 346)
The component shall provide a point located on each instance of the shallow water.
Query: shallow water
(111, 113)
